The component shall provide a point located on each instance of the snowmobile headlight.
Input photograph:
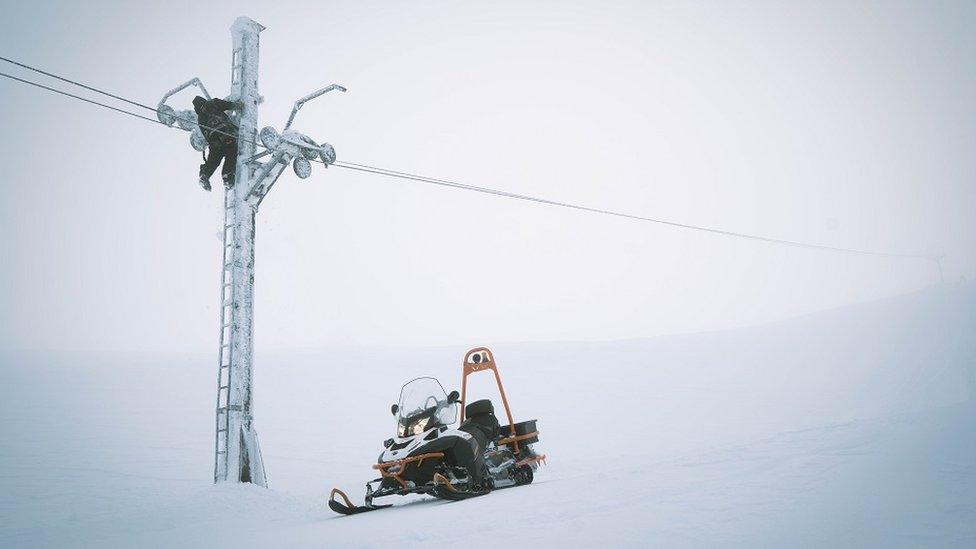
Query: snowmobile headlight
(420, 426)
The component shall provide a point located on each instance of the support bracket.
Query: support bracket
(301, 102)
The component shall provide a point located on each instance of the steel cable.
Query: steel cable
(453, 184)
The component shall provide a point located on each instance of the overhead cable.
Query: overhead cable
(485, 190)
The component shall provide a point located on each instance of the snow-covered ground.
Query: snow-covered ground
(853, 427)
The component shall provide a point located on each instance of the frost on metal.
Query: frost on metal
(197, 140)
(168, 115)
(237, 454)
(302, 167)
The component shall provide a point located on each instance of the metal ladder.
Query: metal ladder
(226, 334)
(236, 64)
(222, 439)
(236, 75)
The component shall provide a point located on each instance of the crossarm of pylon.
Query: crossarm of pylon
(265, 178)
(301, 102)
(192, 82)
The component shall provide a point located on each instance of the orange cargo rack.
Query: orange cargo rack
(480, 359)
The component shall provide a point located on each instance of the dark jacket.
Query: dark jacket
(214, 122)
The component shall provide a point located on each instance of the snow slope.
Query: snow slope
(853, 427)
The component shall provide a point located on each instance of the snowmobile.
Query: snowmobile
(430, 455)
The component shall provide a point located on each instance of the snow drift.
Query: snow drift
(849, 427)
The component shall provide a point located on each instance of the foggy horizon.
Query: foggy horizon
(834, 124)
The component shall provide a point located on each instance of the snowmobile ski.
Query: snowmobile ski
(347, 508)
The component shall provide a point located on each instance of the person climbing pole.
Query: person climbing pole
(221, 134)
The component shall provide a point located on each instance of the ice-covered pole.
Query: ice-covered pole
(240, 458)
(237, 455)
(301, 102)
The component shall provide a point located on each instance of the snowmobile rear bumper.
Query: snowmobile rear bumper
(534, 461)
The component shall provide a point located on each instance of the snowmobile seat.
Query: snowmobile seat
(480, 417)
(479, 407)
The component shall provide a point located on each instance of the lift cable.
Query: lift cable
(105, 93)
(485, 190)
(79, 84)
(42, 86)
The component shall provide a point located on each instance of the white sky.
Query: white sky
(834, 123)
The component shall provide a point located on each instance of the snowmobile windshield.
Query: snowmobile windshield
(423, 405)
